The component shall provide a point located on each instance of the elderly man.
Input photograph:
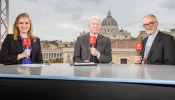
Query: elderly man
(101, 52)
(158, 47)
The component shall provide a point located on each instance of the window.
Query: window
(123, 61)
(126, 36)
(65, 45)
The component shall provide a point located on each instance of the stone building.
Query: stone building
(111, 30)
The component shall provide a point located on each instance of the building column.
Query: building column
(47, 56)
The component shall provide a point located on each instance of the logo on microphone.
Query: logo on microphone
(138, 46)
(92, 40)
(26, 42)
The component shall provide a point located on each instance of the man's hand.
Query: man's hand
(138, 59)
(94, 52)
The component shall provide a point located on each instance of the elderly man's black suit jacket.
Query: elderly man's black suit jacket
(82, 52)
(162, 50)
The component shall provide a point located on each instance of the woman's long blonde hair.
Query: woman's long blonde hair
(16, 31)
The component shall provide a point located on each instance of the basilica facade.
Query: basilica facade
(111, 30)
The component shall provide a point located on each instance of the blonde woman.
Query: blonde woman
(13, 51)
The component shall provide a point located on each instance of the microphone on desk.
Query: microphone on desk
(26, 43)
(92, 41)
(138, 47)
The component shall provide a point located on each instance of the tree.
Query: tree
(50, 60)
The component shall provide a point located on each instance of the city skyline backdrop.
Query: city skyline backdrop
(65, 19)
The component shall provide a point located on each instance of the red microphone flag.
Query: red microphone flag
(26, 42)
(138, 46)
(92, 40)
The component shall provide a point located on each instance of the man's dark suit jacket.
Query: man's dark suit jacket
(11, 48)
(162, 50)
(82, 49)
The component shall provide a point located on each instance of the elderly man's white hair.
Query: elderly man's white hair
(94, 17)
(155, 19)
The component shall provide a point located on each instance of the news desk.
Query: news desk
(101, 82)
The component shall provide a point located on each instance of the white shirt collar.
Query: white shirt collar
(93, 35)
(153, 35)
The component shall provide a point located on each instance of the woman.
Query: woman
(13, 50)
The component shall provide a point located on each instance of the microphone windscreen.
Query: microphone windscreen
(26, 42)
(138, 46)
(92, 40)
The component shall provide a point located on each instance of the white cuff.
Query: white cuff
(98, 57)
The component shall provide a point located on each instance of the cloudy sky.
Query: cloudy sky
(65, 19)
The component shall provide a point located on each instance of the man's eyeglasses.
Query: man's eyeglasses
(149, 24)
